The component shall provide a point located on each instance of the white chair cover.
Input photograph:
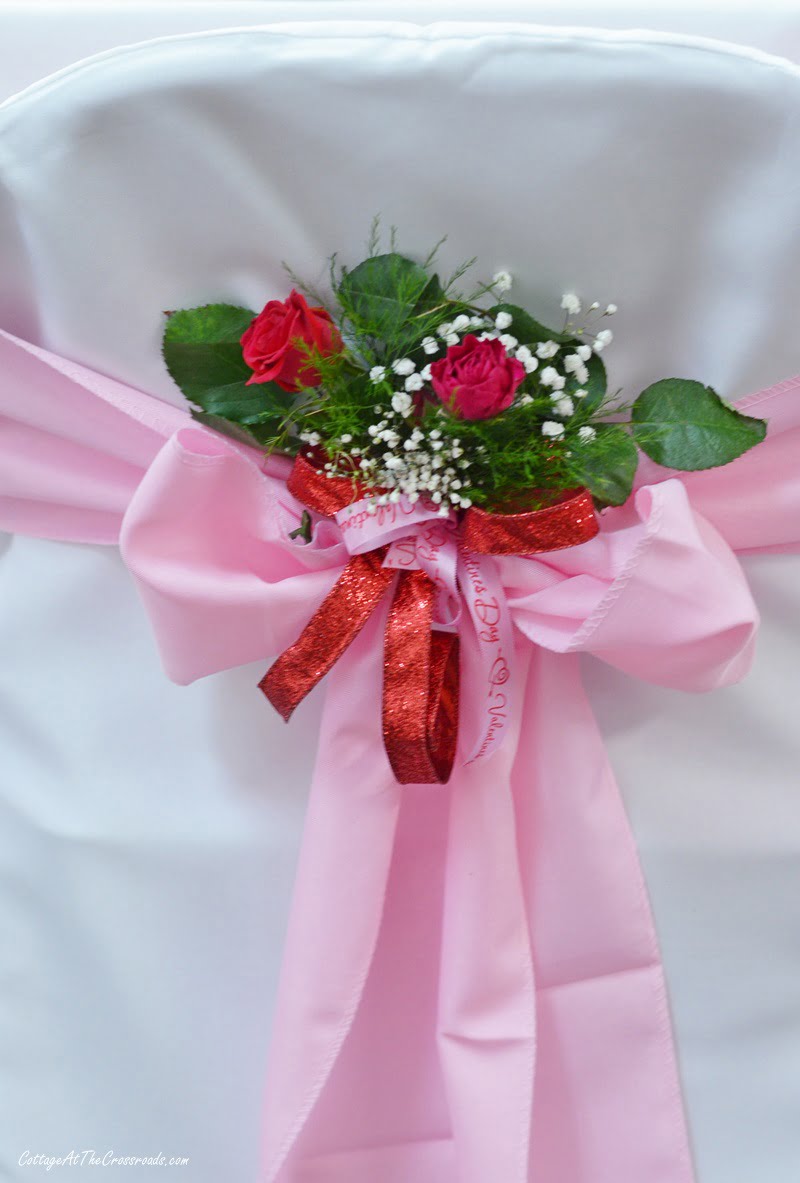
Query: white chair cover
(148, 833)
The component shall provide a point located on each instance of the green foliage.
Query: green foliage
(234, 431)
(597, 385)
(202, 348)
(386, 297)
(685, 425)
(607, 464)
(527, 330)
(203, 352)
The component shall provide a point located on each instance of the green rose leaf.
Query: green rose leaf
(203, 354)
(685, 425)
(382, 293)
(224, 427)
(607, 464)
(527, 330)
(258, 403)
(202, 349)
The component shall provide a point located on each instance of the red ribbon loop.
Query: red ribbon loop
(420, 686)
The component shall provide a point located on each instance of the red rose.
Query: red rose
(270, 343)
(477, 379)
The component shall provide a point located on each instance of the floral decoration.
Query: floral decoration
(412, 388)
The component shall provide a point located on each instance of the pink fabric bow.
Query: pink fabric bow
(472, 990)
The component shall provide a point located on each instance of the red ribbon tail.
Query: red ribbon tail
(336, 623)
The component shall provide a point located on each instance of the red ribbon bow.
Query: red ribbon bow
(421, 664)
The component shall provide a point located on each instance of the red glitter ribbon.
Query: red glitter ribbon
(421, 665)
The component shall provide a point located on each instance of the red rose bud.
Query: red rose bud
(477, 379)
(270, 344)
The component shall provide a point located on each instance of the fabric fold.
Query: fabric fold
(75, 444)
(607, 1101)
(338, 900)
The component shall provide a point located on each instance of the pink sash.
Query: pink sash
(472, 990)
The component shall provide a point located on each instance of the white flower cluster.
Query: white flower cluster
(570, 362)
(405, 460)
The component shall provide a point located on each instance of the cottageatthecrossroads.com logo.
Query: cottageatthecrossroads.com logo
(91, 1158)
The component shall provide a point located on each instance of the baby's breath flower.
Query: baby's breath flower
(503, 320)
(377, 373)
(452, 339)
(508, 342)
(444, 330)
(430, 344)
(552, 430)
(347, 439)
(546, 349)
(574, 365)
(603, 338)
(563, 406)
(610, 310)
(414, 382)
(570, 303)
(524, 355)
(579, 393)
(460, 323)
(586, 434)
(502, 281)
(551, 377)
(425, 374)
(584, 352)
(403, 366)
(402, 402)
